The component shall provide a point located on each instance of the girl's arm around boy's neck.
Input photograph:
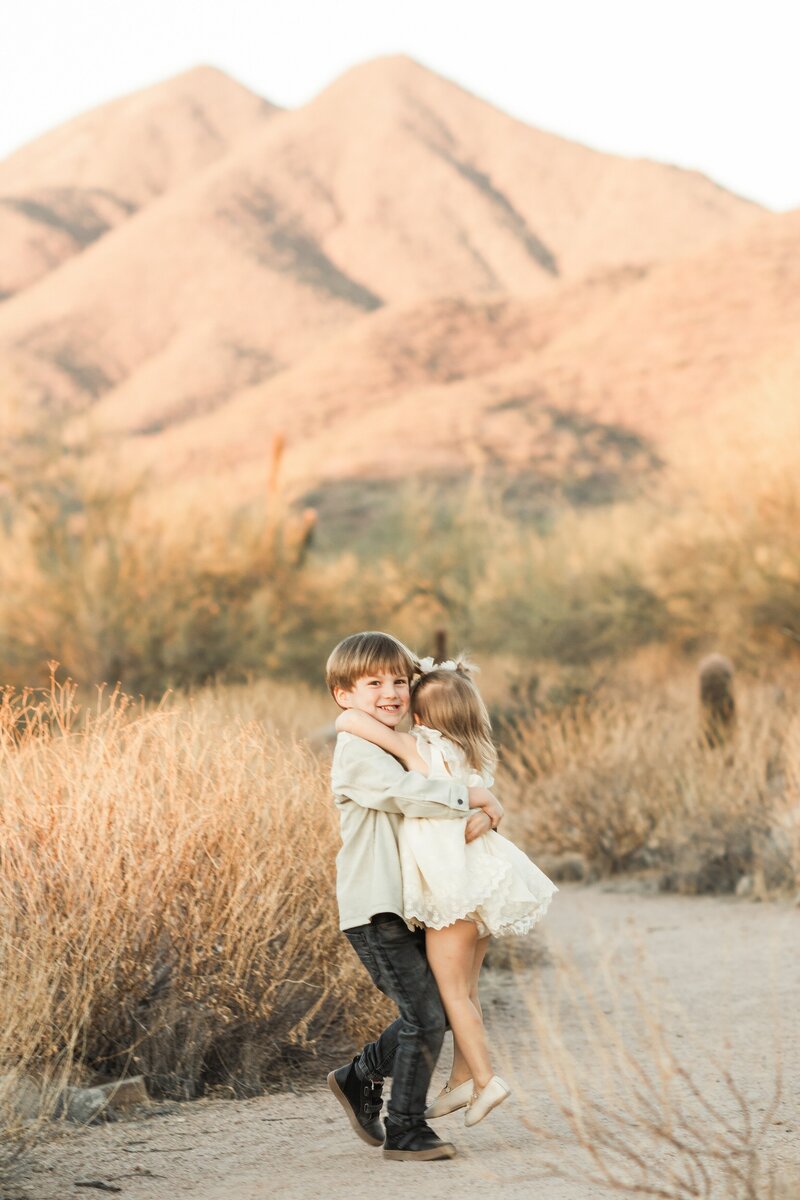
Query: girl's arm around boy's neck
(401, 745)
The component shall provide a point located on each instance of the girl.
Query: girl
(460, 892)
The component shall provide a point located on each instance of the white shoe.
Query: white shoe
(450, 1099)
(495, 1092)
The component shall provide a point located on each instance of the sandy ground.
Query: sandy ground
(725, 973)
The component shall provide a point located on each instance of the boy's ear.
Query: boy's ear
(342, 697)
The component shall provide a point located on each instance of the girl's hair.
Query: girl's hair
(448, 700)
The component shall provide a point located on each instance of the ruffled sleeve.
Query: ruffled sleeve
(478, 780)
(431, 742)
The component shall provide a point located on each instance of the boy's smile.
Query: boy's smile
(384, 697)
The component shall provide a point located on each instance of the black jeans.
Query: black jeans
(394, 955)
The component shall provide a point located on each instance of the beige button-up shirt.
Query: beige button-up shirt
(373, 793)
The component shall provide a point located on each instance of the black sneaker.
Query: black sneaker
(420, 1143)
(361, 1099)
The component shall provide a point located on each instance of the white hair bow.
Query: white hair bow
(428, 664)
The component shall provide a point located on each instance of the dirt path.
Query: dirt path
(733, 968)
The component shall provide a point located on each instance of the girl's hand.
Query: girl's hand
(480, 797)
(477, 825)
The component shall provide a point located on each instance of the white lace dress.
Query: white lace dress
(489, 880)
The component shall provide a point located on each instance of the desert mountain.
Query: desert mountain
(593, 382)
(385, 276)
(66, 189)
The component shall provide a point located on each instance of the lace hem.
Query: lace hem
(522, 925)
(501, 919)
(448, 910)
(508, 927)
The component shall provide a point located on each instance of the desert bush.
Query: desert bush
(625, 780)
(690, 567)
(118, 589)
(167, 895)
(725, 560)
(93, 577)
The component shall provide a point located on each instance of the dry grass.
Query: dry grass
(167, 894)
(624, 779)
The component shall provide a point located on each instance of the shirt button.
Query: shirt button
(460, 801)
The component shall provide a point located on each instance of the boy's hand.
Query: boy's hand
(477, 825)
(480, 797)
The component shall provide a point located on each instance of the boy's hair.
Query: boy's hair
(446, 699)
(368, 653)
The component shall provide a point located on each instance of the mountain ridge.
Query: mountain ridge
(248, 298)
(70, 186)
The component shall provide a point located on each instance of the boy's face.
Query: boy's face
(383, 696)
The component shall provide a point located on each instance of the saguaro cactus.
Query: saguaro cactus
(286, 537)
(440, 651)
(717, 704)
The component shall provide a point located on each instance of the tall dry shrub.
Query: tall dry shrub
(570, 590)
(626, 781)
(168, 895)
(91, 574)
(724, 557)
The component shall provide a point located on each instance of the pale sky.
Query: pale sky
(709, 84)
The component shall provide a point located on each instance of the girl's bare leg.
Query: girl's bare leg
(451, 954)
(459, 1072)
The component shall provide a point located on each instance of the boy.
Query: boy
(372, 672)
